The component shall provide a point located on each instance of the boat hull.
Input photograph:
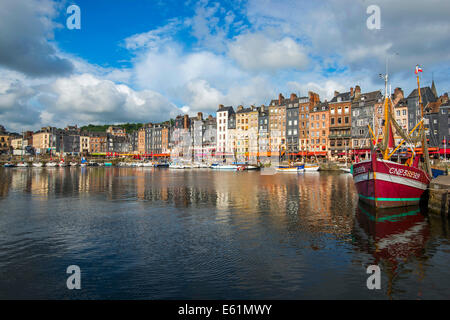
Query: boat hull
(311, 168)
(386, 184)
(290, 169)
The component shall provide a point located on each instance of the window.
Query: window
(339, 120)
(346, 119)
(404, 112)
(332, 120)
(339, 110)
(332, 111)
(295, 122)
(346, 110)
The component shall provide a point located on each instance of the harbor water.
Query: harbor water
(150, 233)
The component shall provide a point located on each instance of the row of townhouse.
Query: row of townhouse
(301, 126)
(294, 126)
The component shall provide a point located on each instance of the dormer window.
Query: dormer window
(339, 99)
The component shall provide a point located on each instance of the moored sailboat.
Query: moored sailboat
(383, 183)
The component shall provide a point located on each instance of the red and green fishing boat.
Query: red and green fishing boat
(384, 183)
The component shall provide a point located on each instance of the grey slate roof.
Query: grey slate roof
(344, 97)
(426, 93)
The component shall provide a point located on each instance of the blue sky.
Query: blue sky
(147, 61)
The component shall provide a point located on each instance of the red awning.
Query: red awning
(361, 151)
(444, 151)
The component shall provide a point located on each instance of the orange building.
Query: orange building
(319, 129)
(305, 106)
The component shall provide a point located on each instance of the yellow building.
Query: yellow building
(241, 134)
(17, 144)
(84, 144)
(41, 141)
(277, 127)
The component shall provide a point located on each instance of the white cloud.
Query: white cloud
(257, 52)
(26, 28)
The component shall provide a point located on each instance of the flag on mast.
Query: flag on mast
(418, 69)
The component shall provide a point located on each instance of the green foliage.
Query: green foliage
(129, 127)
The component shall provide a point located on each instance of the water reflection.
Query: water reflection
(393, 237)
(161, 233)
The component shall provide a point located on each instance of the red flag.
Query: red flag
(418, 69)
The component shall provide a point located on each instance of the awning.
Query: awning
(317, 153)
(361, 151)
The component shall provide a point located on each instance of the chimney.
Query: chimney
(239, 108)
(293, 96)
(220, 106)
(357, 92)
(199, 116)
(336, 93)
(280, 99)
(186, 121)
(351, 91)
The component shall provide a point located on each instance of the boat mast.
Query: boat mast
(386, 119)
(422, 132)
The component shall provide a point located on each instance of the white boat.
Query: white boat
(73, 164)
(251, 168)
(51, 164)
(22, 165)
(83, 165)
(177, 166)
(311, 167)
(147, 164)
(38, 164)
(290, 168)
(9, 165)
(346, 170)
(229, 167)
(62, 164)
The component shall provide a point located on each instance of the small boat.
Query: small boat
(438, 172)
(83, 165)
(93, 164)
(251, 168)
(22, 165)
(38, 164)
(9, 165)
(290, 168)
(108, 164)
(62, 164)
(161, 165)
(177, 166)
(346, 170)
(227, 167)
(147, 164)
(311, 167)
(51, 164)
(73, 164)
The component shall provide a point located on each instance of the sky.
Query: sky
(150, 60)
